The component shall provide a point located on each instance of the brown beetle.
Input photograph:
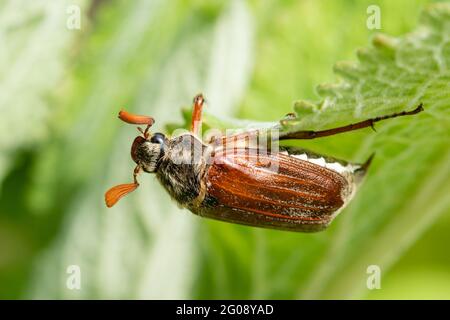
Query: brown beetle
(232, 178)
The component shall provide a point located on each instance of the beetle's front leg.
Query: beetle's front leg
(196, 122)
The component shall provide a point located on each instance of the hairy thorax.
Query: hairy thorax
(182, 168)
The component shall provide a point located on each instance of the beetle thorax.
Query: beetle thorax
(149, 155)
(182, 168)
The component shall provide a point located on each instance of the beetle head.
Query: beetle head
(147, 152)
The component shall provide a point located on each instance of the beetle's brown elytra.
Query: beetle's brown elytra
(232, 180)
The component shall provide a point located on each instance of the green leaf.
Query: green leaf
(393, 75)
(393, 208)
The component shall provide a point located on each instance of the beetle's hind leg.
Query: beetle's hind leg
(309, 134)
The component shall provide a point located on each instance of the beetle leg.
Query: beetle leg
(196, 122)
(309, 134)
(135, 174)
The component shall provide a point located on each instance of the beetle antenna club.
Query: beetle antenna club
(131, 118)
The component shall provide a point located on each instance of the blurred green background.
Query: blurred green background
(62, 146)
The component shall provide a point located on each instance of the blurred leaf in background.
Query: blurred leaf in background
(62, 146)
(34, 53)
